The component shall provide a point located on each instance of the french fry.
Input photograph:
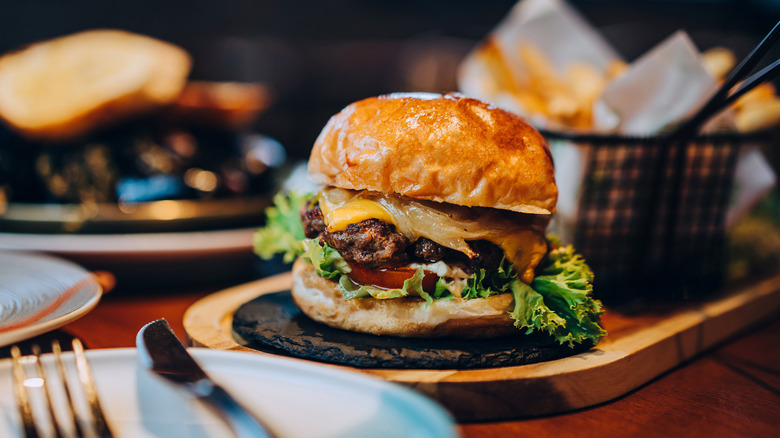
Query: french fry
(762, 92)
(586, 83)
(758, 109)
(492, 58)
(616, 68)
(759, 113)
(531, 102)
(562, 105)
(539, 71)
(718, 61)
(566, 98)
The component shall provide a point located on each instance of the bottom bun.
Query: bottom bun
(321, 300)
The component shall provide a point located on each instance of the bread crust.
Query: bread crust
(64, 88)
(444, 148)
(224, 105)
(321, 300)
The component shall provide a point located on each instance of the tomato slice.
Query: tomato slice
(390, 278)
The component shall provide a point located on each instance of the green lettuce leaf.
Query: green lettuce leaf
(350, 290)
(327, 261)
(480, 285)
(283, 230)
(531, 312)
(413, 285)
(558, 301)
(442, 291)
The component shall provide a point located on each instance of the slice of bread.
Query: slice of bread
(61, 89)
(227, 105)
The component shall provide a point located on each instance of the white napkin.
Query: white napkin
(658, 90)
(553, 27)
(671, 84)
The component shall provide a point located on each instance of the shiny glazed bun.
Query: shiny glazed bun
(444, 148)
(321, 300)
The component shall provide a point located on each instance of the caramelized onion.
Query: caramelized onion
(521, 236)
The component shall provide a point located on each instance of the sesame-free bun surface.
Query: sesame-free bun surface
(444, 148)
(321, 300)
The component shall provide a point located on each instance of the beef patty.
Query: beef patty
(374, 244)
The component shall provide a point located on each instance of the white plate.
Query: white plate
(39, 293)
(149, 259)
(296, 398)
(129, 245)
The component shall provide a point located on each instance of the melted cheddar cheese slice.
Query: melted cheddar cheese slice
(353, 212)
(523, 242)
(525, 250)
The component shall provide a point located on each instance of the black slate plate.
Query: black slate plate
(272, 321)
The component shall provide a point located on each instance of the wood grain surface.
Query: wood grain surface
(641, 346)
(731, 390)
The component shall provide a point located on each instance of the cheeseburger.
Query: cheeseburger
(431, 223)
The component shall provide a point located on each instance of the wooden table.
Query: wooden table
(732, 390)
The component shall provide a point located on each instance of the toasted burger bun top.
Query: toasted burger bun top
(321, 300)
(444, 148)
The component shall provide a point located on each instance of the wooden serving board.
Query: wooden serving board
(640, 347)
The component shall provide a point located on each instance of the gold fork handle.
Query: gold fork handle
(90, 391)
(22, 399)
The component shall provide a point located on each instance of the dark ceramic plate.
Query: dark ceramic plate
(155, 216)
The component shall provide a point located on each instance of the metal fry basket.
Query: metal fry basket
(650, 215)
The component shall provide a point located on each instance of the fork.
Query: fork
(74, 421)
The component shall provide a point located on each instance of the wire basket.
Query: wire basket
(651, 214)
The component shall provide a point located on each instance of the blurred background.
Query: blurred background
(312, 58)
(319, 56)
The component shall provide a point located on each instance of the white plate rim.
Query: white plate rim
(435, 417)
(193, 242)
(90, 286)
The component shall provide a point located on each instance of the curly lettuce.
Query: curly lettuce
(328, 263)
(283, 231)
(557, 302)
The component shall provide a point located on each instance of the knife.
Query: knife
(162, 353)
